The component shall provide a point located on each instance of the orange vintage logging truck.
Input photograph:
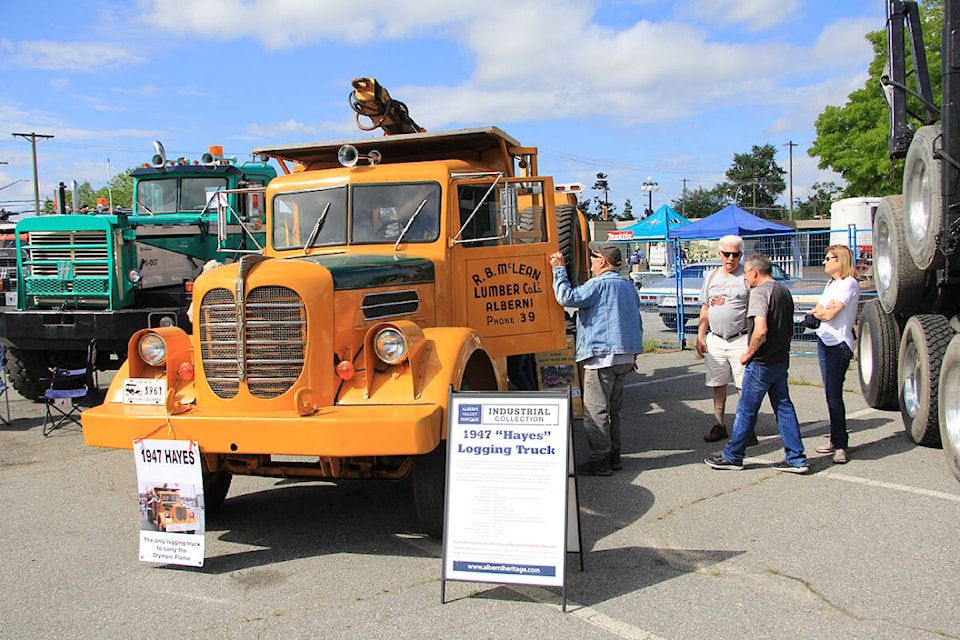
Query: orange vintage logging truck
(168, 513)
(396, 268)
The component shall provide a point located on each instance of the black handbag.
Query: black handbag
(811, 321)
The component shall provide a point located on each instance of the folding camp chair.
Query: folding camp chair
(68, 390)
(3, 384)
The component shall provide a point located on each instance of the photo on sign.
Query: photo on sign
(170, 508)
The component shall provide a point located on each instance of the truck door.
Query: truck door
(501, 248)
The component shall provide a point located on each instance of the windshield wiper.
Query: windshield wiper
(409, 222)
(316, 229)
(145, 208)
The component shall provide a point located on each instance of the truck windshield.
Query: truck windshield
(193, 192)
(296, 214)
(382, 211)
(161, 195)
(379, 215)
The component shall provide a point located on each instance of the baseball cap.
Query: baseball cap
(610, 251)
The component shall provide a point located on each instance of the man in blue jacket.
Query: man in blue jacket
(609, 337)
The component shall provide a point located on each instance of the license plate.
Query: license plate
(669, 301)
(144, 390)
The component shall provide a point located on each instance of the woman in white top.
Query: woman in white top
(837, 311)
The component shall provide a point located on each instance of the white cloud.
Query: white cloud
(68, 56)
(844, 43)
(753, 15)
(281, 24)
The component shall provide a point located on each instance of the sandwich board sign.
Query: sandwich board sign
(507, 488)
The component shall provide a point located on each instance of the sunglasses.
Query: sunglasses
(829, 258)
(731, 254)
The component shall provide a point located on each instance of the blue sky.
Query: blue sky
(632, 88)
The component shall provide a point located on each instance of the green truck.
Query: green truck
(103, 275)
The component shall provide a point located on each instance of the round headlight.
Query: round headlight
(390, 345)
(167, 321)
(153, 349)
(134, 276)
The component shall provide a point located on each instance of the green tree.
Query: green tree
(604, 209)
(756, 181)
(852, 139)
(701, 202)
(121, 186)
(818, 202)
(627, 210)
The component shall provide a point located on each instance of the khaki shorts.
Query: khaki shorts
(723, 360)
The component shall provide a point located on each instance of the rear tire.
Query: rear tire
(877, 347)
(949, 412)
(922, 347)
(571, 242)
(26, 368)
(899, 281)
(922, 201)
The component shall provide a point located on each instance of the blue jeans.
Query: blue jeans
(759, 381)
(834, 362)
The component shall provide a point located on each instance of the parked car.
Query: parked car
(660, 295)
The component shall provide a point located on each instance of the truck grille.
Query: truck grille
(274, 341)
(392, 303)
(69, 263)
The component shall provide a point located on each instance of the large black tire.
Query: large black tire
(899, 281)
(216, 484)
(924, 341)
(877, 346)
(26, 369)
(949, 412)
(571, 242)
(922, 201)
(429, 482)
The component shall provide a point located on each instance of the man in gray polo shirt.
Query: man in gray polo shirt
(722, 334)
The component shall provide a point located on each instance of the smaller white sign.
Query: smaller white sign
(172, 514)
(10, 298)
(144, 390)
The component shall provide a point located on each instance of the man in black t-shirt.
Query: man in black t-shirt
(770, 329)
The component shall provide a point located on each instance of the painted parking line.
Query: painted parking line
(546, 597)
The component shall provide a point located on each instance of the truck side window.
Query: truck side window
(485, 228)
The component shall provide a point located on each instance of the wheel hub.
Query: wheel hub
(911, 380)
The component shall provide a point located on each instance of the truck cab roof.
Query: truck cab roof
(488, 145)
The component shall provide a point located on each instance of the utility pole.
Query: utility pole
(791, 145)
(683, 197)
(36, 184)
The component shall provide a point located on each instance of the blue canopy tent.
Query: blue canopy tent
(729, 220)
(653, 227)
(775, 240)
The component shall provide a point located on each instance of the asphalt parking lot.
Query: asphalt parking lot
(673, 549)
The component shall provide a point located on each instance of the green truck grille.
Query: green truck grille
(68, 267)
(274, 329)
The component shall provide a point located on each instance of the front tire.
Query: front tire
(922, 347)
(429, 482)
(949, 411)
(877, 346)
